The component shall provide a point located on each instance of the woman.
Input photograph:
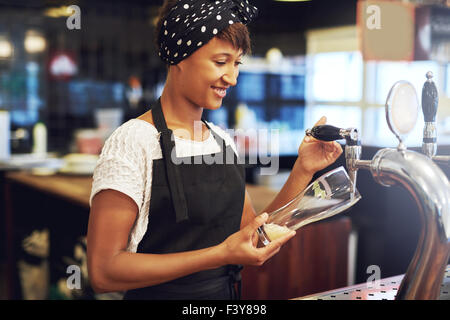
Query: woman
(164, 225)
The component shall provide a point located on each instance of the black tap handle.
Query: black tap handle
(430, 99)
(325, 133)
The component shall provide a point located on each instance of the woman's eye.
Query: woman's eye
(222, 63)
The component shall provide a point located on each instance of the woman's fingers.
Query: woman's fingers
(256, 223)
(322, 120)
(338, 148)
(331, 146)
(274, 246)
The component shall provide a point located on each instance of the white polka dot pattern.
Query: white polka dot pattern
(198, 21)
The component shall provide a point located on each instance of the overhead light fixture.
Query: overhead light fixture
(58, 12)
(6, 48)
(274, 56)
(34, 42)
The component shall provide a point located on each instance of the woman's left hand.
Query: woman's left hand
(315, 155)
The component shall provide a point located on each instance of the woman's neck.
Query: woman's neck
(181, 113)
(177, 109)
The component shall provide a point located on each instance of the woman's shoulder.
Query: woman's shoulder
(135, 129)
(135, 135)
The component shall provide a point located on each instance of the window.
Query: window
(292, 87)
(251, 87)
(337, 115)
(448, 81)
(336, 89)
(337, 77)
(377, 133)
(387, 73)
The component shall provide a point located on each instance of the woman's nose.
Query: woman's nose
(230, 77)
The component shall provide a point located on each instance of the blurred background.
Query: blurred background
(309, 59)
(70, 76)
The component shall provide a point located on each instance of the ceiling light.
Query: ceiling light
(58, 12)
(34, 42)
(6, 48)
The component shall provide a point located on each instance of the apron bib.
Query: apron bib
(194, 204)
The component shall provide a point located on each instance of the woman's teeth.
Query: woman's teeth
(221, 92)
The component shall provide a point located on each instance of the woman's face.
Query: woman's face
(204, 77)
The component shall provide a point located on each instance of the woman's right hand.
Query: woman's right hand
(239, 247)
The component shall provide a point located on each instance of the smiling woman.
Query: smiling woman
(165, 228)
(186, 242)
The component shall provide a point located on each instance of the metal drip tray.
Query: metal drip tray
(387, 290)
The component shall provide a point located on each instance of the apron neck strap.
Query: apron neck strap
(173, 171)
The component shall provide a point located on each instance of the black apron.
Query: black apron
(195, 203)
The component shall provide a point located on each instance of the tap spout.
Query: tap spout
(442, 160)
(430, 189)
(352, 156)
(352, 147)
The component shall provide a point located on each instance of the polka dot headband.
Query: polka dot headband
(190, 24)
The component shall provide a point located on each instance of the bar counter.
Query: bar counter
(384, 289)
(73, 188)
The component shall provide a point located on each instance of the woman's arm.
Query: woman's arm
(297, 181)
(112, 268)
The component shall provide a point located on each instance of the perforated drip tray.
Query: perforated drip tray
(387, 290)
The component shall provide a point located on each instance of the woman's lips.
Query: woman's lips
(221, 92)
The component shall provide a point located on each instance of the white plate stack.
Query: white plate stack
(79, 164)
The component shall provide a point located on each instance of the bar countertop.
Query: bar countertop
(75, 189)
(385, 289)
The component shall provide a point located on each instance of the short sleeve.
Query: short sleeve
(121, 166)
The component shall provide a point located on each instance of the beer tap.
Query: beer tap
(352, 146)
(420, 176)
(430, 102)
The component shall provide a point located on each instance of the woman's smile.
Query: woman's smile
(221, 92)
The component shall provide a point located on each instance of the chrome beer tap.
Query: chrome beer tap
(430, 102)
(352, 147)
(419, 175)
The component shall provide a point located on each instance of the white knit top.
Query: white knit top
(126, 161)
